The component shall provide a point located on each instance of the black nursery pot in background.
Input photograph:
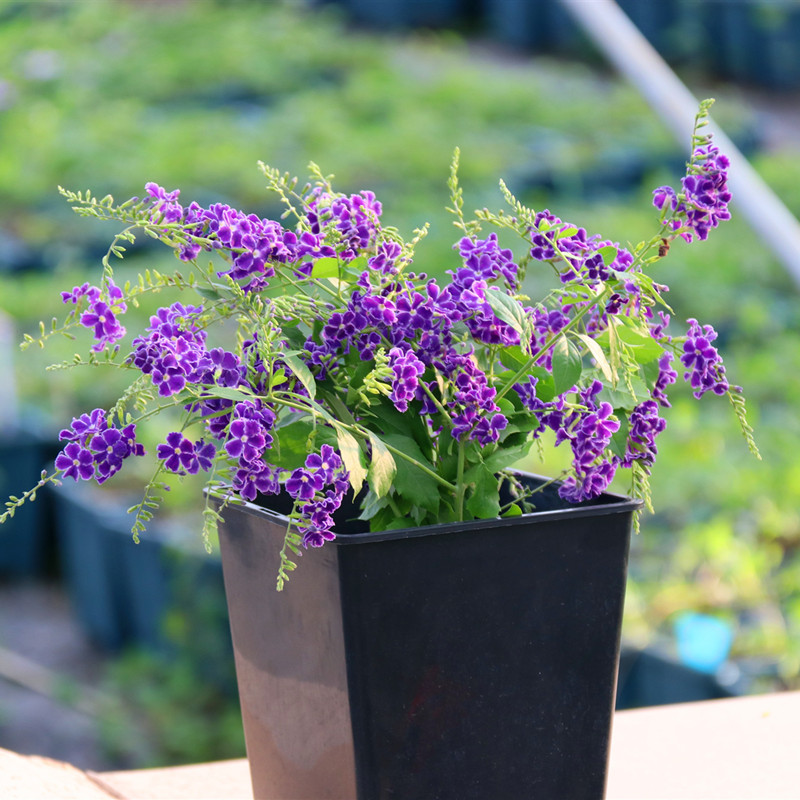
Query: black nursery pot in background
(26, 541)
(469, 660)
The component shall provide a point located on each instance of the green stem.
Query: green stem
(393, 506)
(442, 410)
(525, 369)
(461, 488)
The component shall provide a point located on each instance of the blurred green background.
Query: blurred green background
(108, 95)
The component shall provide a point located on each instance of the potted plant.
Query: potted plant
(454, 628)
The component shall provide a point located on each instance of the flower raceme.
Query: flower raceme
(354, 371)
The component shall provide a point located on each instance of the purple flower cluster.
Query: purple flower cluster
(174, 353)
(645, 425)
(554, 241)
(355, 218)
(101, 314)
(703, 203)
(666, 377)
(467, 292)
(252, 244)
(387, 339)
(488, 261)
(96, 449)
(407, 369)
(317, 489)
(589, 433)
(185, 457)
(705, 371)
(473, 408)
(165, 206)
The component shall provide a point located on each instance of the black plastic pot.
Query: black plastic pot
(471, 660)
(121, 591)
(26, 540)
(409, 13)
(648, 678)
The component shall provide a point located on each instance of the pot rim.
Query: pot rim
(606, 504)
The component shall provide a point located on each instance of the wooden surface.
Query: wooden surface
(744, 748)
(737, 749)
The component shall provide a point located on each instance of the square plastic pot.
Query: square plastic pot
(122, 591)
(470, 660)
(26, 538)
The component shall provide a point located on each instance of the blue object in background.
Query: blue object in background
(703, 641)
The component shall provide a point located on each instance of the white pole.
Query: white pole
(629, 51)
(9, 413)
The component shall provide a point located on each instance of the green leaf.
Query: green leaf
(622, 397)
(642, 346)
(371, 505)
(484, 501)
(357, 265)
(389, 420)
(410, 482)
(596, 351)
(325, 268)
(209, 294)
(291, 444)
(227, 393)
(506, 456)
(351, 455)
(382, 468)
(566, 365)
(513, 357)
(398, 523)
(293, 334)
(567, 230)
(302, 372)
(545, 385)
(608, 254)
(507, 309)
(619, 440)
(512, 511)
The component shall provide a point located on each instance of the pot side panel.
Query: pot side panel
(483, 664)
(290, 664)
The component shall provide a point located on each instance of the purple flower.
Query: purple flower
(178, 454)
(705, 197)
(407, 368)
(326, 463)
(645, 425)
(75, 462)
(246, 440)
(78, 292)
(93, 438)
(182, 456)
(256, 478)
(666, 377)
(101, 314)
(174, 353)
(355, 219)
(85, 426)
(485, 259)
(588, 484)
(166, 207)
(110, 449)
(705, 370)
(102, 319)
(303, 484)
